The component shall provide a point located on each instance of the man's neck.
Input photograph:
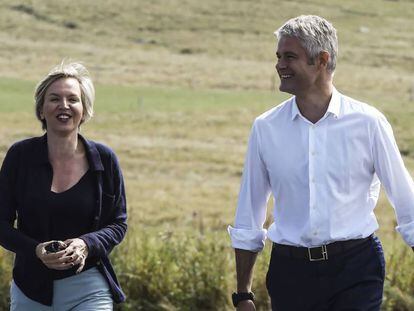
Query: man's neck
(313, 104)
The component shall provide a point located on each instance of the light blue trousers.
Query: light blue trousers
(87, 291)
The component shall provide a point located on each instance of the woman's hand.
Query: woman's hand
(77, 250)
(74, 253)
(58, 260)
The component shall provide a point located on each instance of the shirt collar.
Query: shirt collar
(334, 106)
(295, 109)
(92, 153)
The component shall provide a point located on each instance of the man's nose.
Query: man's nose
(280, 64)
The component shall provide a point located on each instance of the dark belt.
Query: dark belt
(320, 252)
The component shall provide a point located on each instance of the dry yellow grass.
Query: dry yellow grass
(209, 68)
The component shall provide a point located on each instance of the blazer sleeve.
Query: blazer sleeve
(11, 238)
(114, 215)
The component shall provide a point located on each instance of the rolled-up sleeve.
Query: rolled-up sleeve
(247, 232)
(395, 178)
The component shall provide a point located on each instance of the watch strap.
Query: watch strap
(237, 297)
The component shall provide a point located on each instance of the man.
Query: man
(322, 155)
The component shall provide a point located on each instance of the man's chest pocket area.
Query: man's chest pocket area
(337, 170)
(348, 164)
(286, 166)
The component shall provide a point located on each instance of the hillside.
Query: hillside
(211, 44)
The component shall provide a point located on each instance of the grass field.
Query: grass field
(182, 153)
(178, 86)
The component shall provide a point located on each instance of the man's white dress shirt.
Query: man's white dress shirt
(325, 177)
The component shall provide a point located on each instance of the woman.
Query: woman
(67, 195)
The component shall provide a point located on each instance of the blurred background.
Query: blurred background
(179, 84)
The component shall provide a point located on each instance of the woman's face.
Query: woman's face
(62, 108)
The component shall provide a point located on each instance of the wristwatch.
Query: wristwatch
(237, 297)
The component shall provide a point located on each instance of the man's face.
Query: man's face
(296, 72)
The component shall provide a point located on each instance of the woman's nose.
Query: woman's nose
(64, 104)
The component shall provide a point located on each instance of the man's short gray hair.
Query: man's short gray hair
(315, 34)
(67, 70)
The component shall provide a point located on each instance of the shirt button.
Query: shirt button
(313, 180)
(315, 233)
(313, 152)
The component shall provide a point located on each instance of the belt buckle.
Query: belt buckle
(324, 253)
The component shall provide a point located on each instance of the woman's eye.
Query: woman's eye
(74, 99)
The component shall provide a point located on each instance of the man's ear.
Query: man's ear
(323, 58)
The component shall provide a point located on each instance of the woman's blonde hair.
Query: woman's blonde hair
(67, 70)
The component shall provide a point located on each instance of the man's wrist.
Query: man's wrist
(241, 296)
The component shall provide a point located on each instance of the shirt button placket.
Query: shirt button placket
(312, 180)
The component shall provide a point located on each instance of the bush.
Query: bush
(175, 271)
(6, 260)
(196, 271)
(399, 283)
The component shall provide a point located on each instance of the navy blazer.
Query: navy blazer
(26, 173)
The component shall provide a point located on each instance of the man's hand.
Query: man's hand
(246, 305)
(78, 252)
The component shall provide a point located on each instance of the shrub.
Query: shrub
(174, 271)
(196, 271)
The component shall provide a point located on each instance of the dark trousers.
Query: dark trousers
(350, 281)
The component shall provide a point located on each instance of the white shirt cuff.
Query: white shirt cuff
(407, 233)
(247, 239)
